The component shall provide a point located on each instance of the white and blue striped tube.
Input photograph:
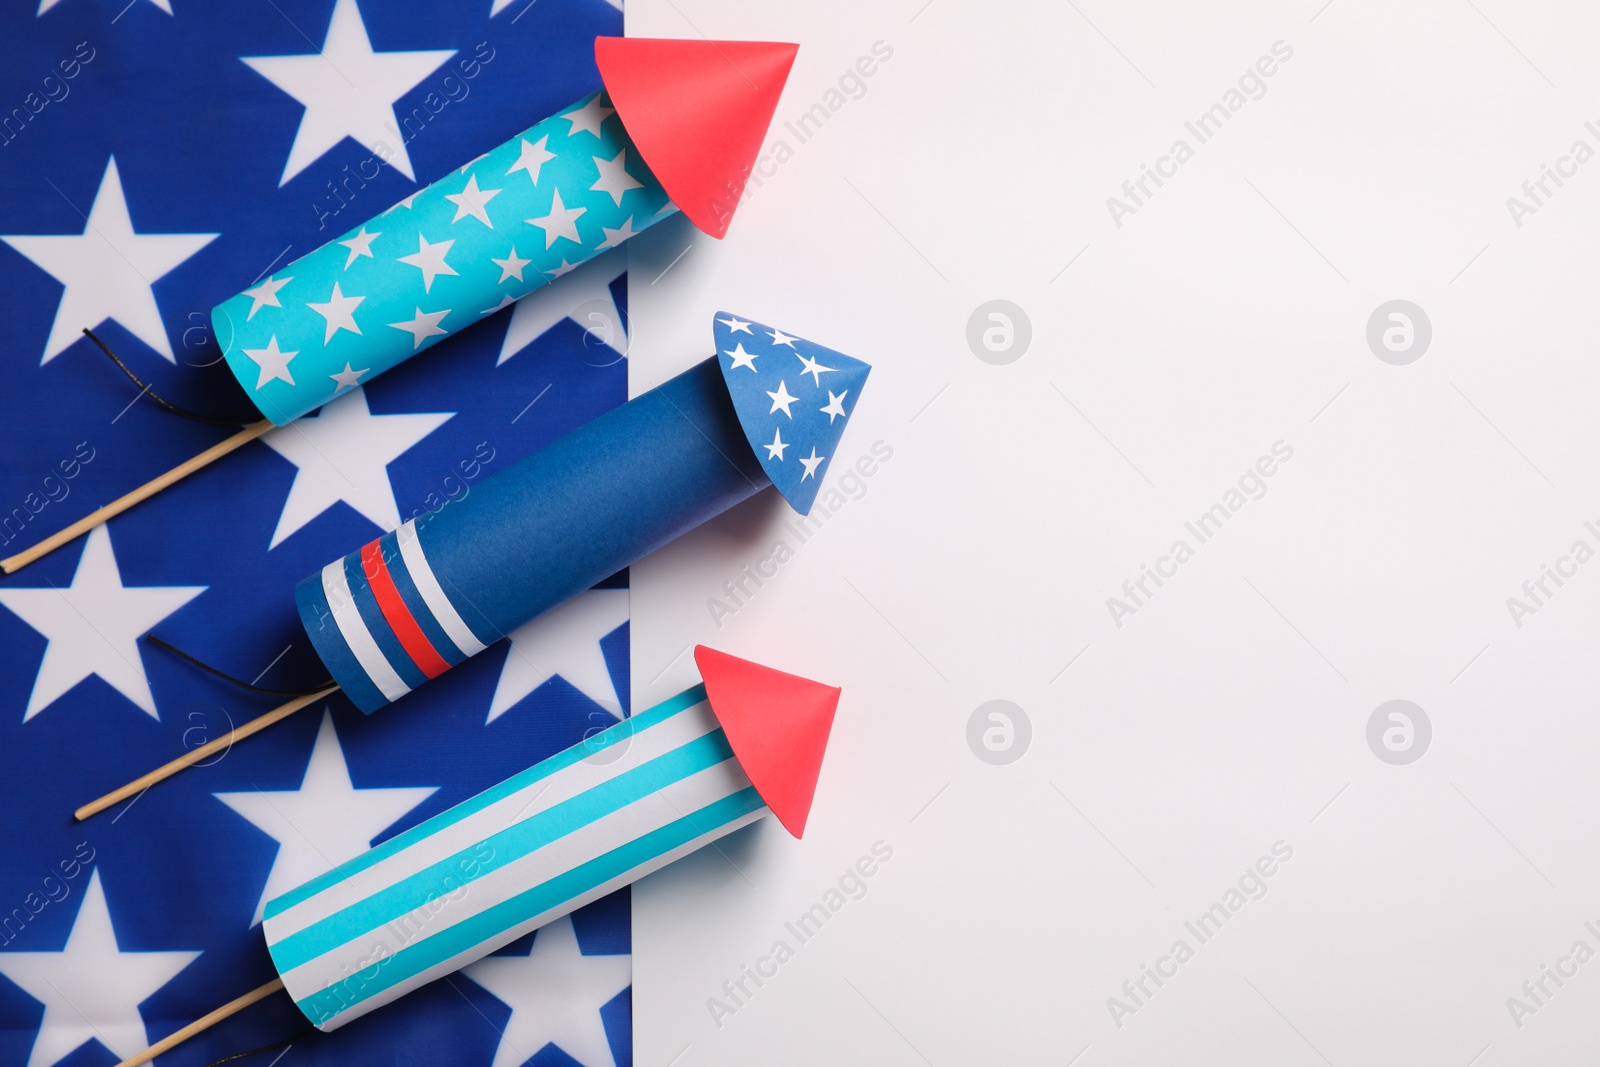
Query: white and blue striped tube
(581, 824)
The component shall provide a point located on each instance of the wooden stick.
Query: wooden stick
(205, 1022)
(12, 564)
(193, 756)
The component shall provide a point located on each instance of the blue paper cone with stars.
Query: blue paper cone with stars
(793, 397)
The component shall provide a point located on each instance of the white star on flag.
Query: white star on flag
(736, 325)
(564, 641)
(92, 988)
(473, 201)
(555, 994)
(339, 310)
(360, 245)
(108, 270)
(273, 363)
(497, 7)
(93, 626)
(429, 259)
(403, 202)
(323, 823)
(424, 326)
(348, 91)
(810, 463)
(562, 222)
(741, 358)
(343, 454)
(164, 5)
(589, 287)
(266, 295)
(781, 338)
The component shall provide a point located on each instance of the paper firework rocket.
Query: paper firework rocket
(768, 409)
(676, 127)
(581, 824)
(747, 741)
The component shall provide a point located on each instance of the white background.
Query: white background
(1168, 354)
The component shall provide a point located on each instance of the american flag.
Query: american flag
(160, 156)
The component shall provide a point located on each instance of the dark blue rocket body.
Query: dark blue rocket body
(422, 598)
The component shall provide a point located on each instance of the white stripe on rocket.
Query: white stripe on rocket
(410, 928)
(347, 616)
(477, 952)
(534, 798)
(433, 594)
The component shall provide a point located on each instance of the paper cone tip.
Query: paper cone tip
(697, 111)
(794, 399)
(777, 725)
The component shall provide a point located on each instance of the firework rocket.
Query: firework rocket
(675, 128)
(747, 742)
(585, 822)
(769, 408)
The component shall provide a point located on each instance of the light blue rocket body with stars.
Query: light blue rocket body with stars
(485, 235)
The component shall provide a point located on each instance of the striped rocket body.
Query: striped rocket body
(421, 599)
(506, 223)
(581, 824)
(392, 626)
